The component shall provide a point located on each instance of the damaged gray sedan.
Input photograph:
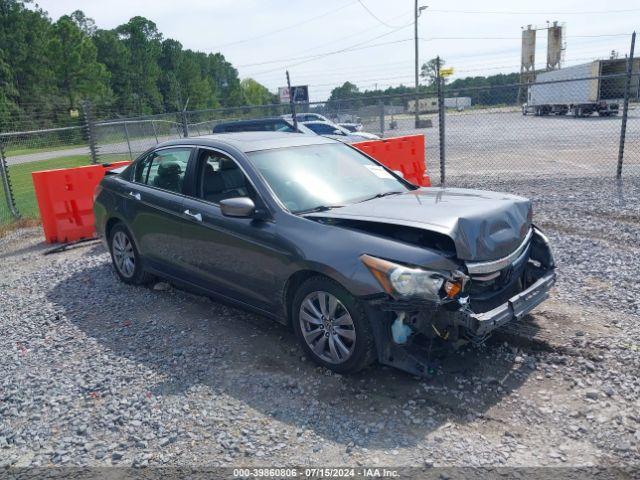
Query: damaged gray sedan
(363, 265)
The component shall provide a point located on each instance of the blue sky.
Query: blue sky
(264, 37)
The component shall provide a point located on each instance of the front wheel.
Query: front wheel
(125, 257)
(332, 326)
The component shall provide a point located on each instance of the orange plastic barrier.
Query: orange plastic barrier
(65, 200)
(405, 154)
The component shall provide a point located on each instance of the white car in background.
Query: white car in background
(307, 117)
(351, 125)
(335, 131)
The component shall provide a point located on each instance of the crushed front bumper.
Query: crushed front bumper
(411, 357)
(515, 308)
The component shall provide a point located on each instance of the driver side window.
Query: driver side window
(221, 178)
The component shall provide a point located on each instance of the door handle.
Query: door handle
(135, 195)
(195, 216)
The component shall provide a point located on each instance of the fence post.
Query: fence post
(292, 103)
(381, 105)
(625, 108)
(126, 134)
(6, 182)
(90, 127)
(155, 132)
(185, 125)
(441, 135)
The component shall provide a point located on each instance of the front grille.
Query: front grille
(484, 268)
(489, 290)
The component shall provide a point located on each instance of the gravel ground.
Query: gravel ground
(97, 373)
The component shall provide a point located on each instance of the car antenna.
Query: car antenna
(292, 103)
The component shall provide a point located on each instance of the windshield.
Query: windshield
(323, 176)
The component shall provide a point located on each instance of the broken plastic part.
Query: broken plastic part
(399, 330)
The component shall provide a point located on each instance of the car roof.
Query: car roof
(318, 122)
(255, 120)
(253, 141)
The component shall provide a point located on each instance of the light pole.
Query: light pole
(417, 12)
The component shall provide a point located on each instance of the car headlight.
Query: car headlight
(405, 282)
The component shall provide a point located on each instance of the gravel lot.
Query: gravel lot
(95, 372)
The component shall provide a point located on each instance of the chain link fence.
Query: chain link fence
(492, 135)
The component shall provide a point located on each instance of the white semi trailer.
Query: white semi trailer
(581, 89)
(430, 104)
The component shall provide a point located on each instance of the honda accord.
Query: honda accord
(362, 264)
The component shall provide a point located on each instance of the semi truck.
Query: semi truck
(582, 90)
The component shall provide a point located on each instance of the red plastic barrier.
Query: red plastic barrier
(405, 154)
(65, 200)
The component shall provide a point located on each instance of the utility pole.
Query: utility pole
(416, 13)
(292, 103)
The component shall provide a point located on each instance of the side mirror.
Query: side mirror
(240, 207)
(338, 132)
(399, 173)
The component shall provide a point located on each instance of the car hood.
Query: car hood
(483, 225)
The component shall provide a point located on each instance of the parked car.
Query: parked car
(274, 124)
(307, 117)
(317, 235)
(331, 129)
(352, 127)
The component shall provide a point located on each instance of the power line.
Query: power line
(316, 47)
(284, 29)
(422, 39)
(566, 12)
(349, 49)
(503, 55)
(375, 16)
(307, 58)
(389, 65)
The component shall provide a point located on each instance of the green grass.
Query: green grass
(22, 182)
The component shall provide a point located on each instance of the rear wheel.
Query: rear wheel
(126, 259)
(332, 326)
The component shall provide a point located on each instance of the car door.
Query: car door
(238, 258)
(155, 206)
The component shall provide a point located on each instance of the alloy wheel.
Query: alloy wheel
(123, 254)
(327, 327)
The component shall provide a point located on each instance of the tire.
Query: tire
(121, 245)
(362, 351)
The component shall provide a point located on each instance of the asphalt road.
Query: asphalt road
(138, 145)
(509, 144)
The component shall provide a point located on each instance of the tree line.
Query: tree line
(489, 90)
(48, 69)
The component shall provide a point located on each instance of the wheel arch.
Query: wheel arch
(295, 281)
(112, 222)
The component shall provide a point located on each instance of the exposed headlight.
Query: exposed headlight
(402, 281)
